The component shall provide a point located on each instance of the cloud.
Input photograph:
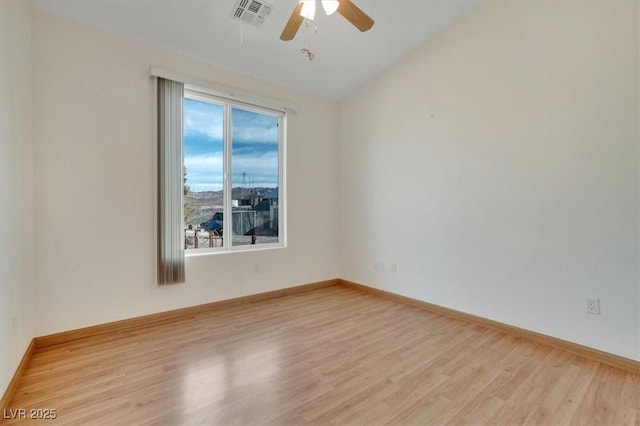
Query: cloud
(204, 171)
(206, 162)
(260, 170)
(255, 147)
(254, 127)
(202, 118)
(206, 119)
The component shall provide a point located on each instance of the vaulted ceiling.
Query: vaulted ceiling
(203, 29)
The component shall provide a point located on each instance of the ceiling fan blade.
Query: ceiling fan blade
(353, 14)
(293, 24)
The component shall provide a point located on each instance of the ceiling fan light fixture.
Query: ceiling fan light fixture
(330, 6)
(308, 9)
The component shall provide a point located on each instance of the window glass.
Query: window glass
(203, 173)
(231, 170)
(255, 177)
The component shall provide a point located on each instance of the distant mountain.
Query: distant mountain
(204, 204)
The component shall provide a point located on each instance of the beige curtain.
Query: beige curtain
(170, 182)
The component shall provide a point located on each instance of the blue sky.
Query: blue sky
(254, 146)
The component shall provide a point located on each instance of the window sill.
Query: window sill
(240, 249)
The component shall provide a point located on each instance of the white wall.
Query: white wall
(498, 166)
(16, 187)
(94, 137)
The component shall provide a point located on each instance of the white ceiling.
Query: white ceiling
(202, 29)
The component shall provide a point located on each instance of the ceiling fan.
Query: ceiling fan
(306, 10)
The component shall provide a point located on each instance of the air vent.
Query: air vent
(252, 12)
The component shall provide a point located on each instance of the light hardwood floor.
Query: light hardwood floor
(335, 355)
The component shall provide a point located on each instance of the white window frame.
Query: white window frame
(199, 94)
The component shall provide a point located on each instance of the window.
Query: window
(233, 175)
(220, 167)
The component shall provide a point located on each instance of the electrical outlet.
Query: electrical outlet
(257, 268)
(376, 265)
(13, 326)
(394, 267)
(592, 306)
